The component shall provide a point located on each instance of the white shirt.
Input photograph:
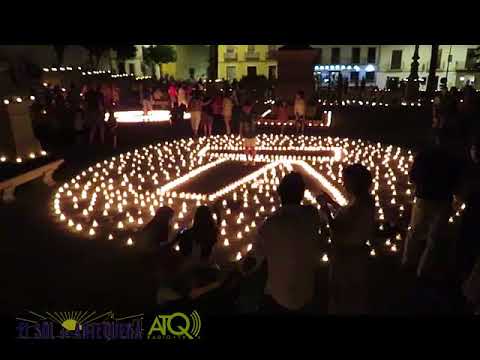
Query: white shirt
(287, 240)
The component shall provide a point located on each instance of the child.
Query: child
(207, 117)
(195, 113)
(248, 131)
(227, 113)
(299, 110)
(147, 101)
(112, 126)
(283, 114)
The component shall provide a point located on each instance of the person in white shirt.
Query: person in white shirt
(182, 97)
(288, 242)
(299, 110)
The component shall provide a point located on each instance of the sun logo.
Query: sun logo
(70, 320)
(71, 325)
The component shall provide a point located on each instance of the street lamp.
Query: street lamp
(449, 60)
(412, 85)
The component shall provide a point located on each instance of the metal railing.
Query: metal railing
(252, 55)
(228, 56)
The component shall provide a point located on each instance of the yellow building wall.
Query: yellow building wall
(241, 63)
(170, 69)
(188, 56)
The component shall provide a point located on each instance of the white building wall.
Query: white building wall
(456, 69)
(346, 59)
(345, 53)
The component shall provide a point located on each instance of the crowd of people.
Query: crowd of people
(77, 113)
(445, 174)
(287, 248)
(455, 116)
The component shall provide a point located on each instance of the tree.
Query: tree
(159, 54)
(476, 56)
(96, 52)
(431, 83)
(213, 62)
(124, 52)
(60, 52)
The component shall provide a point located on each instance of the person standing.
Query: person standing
(351, 228)
(236, 109)
(227, 113)
(287, 242)
(435, 175)
(112, 126)
(444, 108)
(74, 101)
(207, 117)
(95, 113)
(217, 108)
(182, 97)
(283, 114)
(468, 113)
(196, 105)
(172, 93)
(299, 110)
(468, 246)
(147, 101)
(60, 110)
(248, 132)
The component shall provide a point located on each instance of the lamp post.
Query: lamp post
(449, 60)
(432, 79)
(412, 85)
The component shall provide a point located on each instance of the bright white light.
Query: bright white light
(137, 116)
(369, 68)
(266, 113)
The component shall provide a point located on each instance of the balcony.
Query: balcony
(271, 54)
(252, 55)
(230, 56)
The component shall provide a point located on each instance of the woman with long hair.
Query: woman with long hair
(196, 274)
(351, 228)
(197, 242)
(158, 231)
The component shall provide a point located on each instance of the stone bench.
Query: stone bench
(8, 186)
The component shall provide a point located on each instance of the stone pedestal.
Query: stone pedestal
(295, 71)
(16, 134)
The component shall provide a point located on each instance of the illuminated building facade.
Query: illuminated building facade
(455, 62)
(237, 61)
(352, 62)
